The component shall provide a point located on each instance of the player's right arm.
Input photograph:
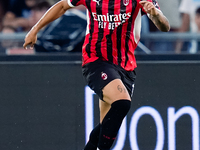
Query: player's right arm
(56, 11)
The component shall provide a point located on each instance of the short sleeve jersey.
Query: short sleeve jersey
(113, 30)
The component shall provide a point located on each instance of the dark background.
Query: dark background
(42, 101)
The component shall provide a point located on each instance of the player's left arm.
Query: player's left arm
(156, 16)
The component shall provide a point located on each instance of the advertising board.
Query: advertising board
(47, 106)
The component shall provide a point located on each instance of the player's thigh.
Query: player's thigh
(115, 90)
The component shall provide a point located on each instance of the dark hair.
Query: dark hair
(198, 10)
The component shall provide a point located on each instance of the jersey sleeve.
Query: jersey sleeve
(73, 3)
(155, 3)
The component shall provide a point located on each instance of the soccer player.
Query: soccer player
(113, 32)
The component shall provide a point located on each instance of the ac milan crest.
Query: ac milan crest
(126, 2)
(104, 76)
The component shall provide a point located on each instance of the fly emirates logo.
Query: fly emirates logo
(111, 21)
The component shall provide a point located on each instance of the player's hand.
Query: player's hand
(30, 39)
(149, 7)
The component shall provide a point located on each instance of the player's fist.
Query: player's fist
(30, 39)
(149, 7)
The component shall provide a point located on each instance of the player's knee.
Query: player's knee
(121, 106)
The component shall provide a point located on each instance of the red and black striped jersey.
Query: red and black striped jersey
(113, 30)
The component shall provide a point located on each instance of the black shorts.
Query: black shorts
(99, 73)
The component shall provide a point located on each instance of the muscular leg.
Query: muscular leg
(111, 115)
(114, 91)
(112, 111)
